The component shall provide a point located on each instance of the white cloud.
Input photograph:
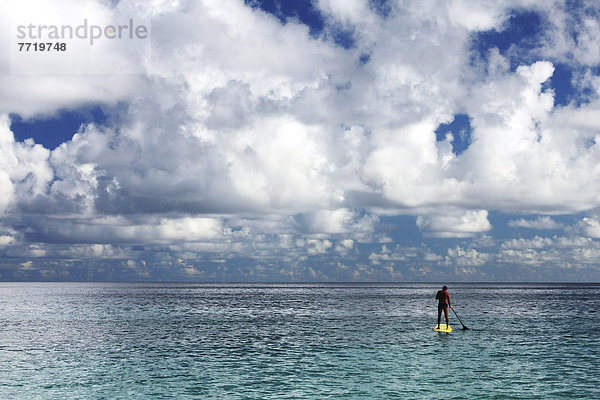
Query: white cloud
(539, 223)
(432, 257)
(520, 256)
(6, 239)
(54, 80)
(27, 266)
(315, 246)
(397, 254)
(535, 243)
(475, 15)
(92, 251)
(189, 229)
(349, 11)
(24, 169)
(265, 122)
(574, 241)
(343, 246)
(326, 221)
(291, 163)
(590, 227)
(340, 222)
(454, 223)
(466, 257)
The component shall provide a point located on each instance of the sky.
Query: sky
(302, 140)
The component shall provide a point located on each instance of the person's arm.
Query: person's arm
(449, 302)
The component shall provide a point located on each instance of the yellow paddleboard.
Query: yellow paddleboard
(443, 328)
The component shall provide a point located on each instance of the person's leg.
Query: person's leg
(439, 316)
(446, 315)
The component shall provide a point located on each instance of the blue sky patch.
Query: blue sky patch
(560, 82)
(519, 36)
(565, 82)
(54, 130)
(304, 11)
(381, 7)
(364, 58)
(460, 128)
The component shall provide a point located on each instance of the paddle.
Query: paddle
(464, 326)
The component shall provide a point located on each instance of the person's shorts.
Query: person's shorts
(442, 306)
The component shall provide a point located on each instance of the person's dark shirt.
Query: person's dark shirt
(443, 298)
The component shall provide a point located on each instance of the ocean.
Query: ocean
(297, 341)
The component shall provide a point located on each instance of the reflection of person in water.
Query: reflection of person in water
(443, 299)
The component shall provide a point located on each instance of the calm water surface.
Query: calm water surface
(273, 341)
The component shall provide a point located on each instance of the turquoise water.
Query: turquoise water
(273, 341)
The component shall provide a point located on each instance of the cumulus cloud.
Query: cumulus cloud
(48, 81)
(24, 168)
(455, 223)
(521, 256)
(242, 135)
(538, 223)
(343, 246)
(6, 239)
(466, 257)
(535, 243)
(218, 107)
(315, 246)
(590, 227)
(396, 254)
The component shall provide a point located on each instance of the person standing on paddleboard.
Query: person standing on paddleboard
(443, 299)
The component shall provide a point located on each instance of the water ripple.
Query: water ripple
(124, 341)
